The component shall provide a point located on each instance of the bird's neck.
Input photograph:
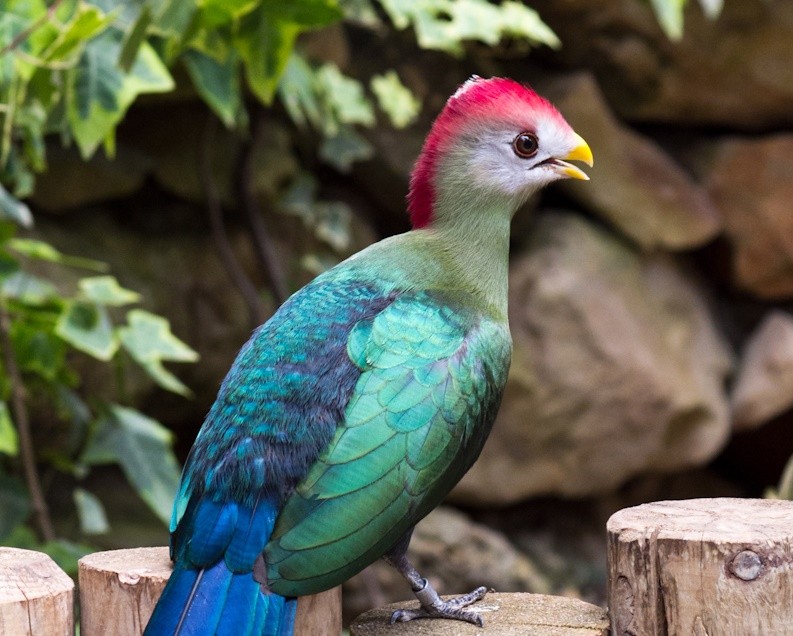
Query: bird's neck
(474, 237)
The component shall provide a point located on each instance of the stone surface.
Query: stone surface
(634, 184)
(617, 370)
(751, 182)
(457, 555)
(503, 614)
(732, 72)
(764, 384)
(70, 183)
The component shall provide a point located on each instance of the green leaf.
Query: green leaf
(298, 92)
(43, 251)
(345, 148)
(142, 446)
(446, 24)
(134, 39)
(38, 350)
(266, 37)
(9, 442)
(395, 99)
(87, 327)
(712, 8)
(87, 22)
(220, 12)
(28, 289)
(149, 341)
(105, 290)
(670, 16)
(15, 504)
(103, 92)
(218, 84)
(344, 97)
(12, 209)
(91, 512)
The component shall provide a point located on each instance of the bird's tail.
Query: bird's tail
(216, 601)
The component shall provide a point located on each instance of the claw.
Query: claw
(432, 606)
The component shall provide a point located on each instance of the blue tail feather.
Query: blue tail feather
(219, 602)
(212, 591)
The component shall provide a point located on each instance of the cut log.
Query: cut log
(705, 567)
(119, 589)
(36, 596)
(503, 614)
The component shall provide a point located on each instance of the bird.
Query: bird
(353, 411)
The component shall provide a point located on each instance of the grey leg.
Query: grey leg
(432, 606)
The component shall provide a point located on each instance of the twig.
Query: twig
(215, 212)
(24, 34)
(20, 411)
(263, 244)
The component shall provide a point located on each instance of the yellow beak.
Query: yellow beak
(581, 152)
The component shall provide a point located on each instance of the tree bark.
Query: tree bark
(705, 567)
(36, 596)
(503, 614)
(119, 589)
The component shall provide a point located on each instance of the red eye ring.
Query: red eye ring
(526, 145)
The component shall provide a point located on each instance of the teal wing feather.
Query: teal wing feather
(432, 373)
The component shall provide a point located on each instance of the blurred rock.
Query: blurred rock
(456, 555)
(751, 182)
(70, 182)
(635, 185)
(617, 370)
(764, 386)
(734, 71)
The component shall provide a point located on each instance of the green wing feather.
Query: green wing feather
(432, 376)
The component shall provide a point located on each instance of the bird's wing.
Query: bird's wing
(430, 384)
(278, 407)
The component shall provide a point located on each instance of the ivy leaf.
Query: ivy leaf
(670, 16)
(149, 341)
(266, 37)
(43, 251)
(90, 512)
(28, 289)
(87, 22)
(345, 148)
(103, 92)
(395, 99)
(344, 98)
(298, 93)
(217, 83)
(142, 446)
(87, 327)
(9, 442)
(38, 350)
(445, 24)
(105, 290)
(12, 209)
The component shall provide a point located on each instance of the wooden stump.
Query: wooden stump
(119, 589)
(704, 567)
(504, 615)
(36, 596)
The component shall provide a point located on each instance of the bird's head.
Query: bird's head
(495, 141)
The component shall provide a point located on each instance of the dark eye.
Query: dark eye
(526, 145)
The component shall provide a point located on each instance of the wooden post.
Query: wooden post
(36, 596)
(119, 589)
(503, 614)
(704, 567)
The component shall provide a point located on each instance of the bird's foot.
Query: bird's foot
(433, 606)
